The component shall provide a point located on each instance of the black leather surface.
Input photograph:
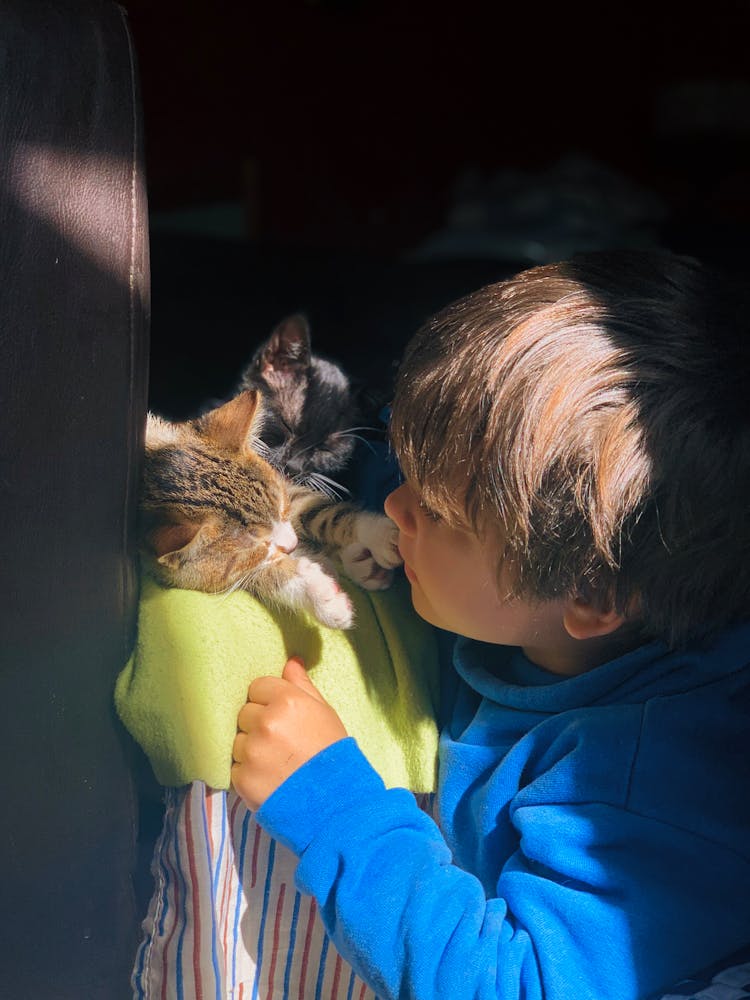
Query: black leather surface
(73, 343)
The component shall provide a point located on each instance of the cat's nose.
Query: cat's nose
(284, 537)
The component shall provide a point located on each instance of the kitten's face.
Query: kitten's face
(212, 510)
(308, 404)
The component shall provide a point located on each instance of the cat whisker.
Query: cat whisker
(227, 591)
(348, 430)
(239, 584)
(337, 489)
(260, 447)
(358, 438)
(304, 479)
(313, 484)
(323, 484)
(301, 451)
(332, 482)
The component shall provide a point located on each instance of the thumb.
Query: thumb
(294, 672)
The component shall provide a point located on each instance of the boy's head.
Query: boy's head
(593, 415)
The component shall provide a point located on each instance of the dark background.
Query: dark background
(368, 161)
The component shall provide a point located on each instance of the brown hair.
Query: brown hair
(596, 410)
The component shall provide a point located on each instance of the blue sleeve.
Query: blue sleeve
(381, 872)
(577, 911)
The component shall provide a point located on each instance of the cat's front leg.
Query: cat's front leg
(298, 582)
(372, 557)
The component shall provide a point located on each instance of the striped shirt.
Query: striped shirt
(225, 921)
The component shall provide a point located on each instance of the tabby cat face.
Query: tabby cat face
(212, 510)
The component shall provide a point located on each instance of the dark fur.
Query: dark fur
(308, 403)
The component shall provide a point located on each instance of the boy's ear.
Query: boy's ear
(584, 620)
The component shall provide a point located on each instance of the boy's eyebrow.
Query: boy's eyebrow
(442, 512)
(430, 511)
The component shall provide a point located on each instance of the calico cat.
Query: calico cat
(216, 516)
(309, 407)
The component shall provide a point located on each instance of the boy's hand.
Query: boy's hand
(284, 723)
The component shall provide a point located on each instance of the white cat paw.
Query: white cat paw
(380, 535)
(324, 597)
(359, 565)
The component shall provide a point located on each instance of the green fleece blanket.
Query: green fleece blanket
(196, 654)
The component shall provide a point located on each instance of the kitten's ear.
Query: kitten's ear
(167, 540)
(287, 349)
(160, 432)
(232, 425)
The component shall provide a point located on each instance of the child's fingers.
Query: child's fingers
(295, 673)
(264, 689)
(238, 748)
(248, 716)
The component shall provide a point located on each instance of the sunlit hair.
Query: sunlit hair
(596, 411)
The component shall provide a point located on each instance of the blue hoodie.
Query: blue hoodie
(594, 838)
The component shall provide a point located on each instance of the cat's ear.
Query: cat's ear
(160, 432)
(287, 350)
(166, 540)
(173, 543)
(232, 425)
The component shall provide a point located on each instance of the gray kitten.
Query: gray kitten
(309, 408)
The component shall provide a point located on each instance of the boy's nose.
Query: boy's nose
(398, 506)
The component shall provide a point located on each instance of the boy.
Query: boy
(575, 444)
